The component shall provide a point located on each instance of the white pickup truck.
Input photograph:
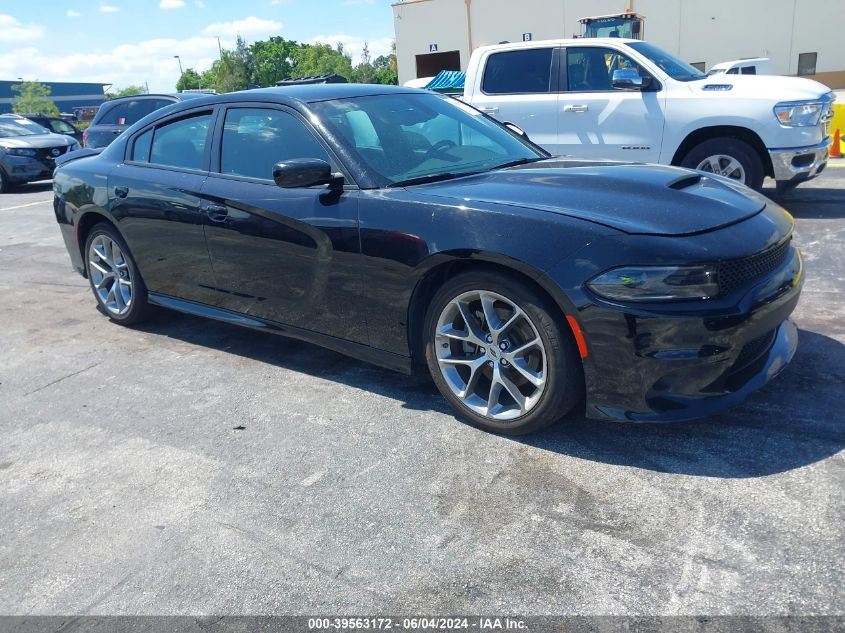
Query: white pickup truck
(629, 100)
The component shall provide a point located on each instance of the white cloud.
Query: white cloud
(13, 31)
(354, 45)
(149, 61)
(109, 8)
(251, 26)
(73, 14)
(171, 4)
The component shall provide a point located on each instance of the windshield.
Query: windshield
(20, 127)
(414, 137)
(671, 65)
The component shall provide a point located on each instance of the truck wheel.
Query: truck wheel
(728, 157)
(500, 354)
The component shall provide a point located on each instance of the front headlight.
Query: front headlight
(799, 114)
(20, 151)
(656, 283)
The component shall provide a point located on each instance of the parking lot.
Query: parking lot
(190, 467)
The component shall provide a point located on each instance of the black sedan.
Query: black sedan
(409, 230)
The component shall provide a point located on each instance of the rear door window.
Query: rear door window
(518, 72)
(179, 143)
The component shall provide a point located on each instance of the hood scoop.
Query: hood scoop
(684, 182)
(643, 199)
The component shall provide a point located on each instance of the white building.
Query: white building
(433, 35)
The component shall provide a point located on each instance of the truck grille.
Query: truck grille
(826, 120)
(735, 273)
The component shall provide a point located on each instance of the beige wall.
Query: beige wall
(709, 31)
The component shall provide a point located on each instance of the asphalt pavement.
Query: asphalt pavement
(190, 467)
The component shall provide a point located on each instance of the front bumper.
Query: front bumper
(26, 169)
(796, 164)
(659, 368)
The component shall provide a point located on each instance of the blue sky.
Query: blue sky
(127, 42)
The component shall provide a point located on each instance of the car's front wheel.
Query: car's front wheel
(117, 285)
(500, 354)
(729, 157)
(4, 182)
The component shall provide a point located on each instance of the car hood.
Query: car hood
(37, 141)
(773, 87)
(636, 199)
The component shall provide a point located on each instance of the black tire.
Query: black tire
(564, 386)
(5, 185)
(750, 160)
(139, 308)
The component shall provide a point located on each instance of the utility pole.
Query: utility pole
(181, 72)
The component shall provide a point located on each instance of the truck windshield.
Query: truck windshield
(677, 69)
(411, 138)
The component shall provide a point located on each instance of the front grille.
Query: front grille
(46, 153)
(735, 273)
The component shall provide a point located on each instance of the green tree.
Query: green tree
(190, 80)
(33, 98)
(386, 69)
(273, 60)
(322, 59)
(365, 72)
(129, 91)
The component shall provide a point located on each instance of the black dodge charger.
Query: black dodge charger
(409, 230)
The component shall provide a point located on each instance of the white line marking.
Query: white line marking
(312, 479)
(22, 206)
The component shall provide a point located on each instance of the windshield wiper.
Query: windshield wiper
(520, 161)
(421, 180)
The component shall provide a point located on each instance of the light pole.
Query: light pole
(181, 72)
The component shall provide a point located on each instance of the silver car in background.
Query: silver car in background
(28, 151)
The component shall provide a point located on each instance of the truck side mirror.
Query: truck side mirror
(629, 79)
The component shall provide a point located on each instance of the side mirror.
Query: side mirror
(629, 79)
(513, 127)
(302, 172)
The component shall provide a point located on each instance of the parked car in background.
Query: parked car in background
(405, 228)
(28, 151)
(627, 99)
(751, 66)
(55, 124)
(118, 114)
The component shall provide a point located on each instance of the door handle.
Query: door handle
(489, 109)
(121, 192)
(576, 108)
(216, 212)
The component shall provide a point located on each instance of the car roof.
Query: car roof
(306, 93)
(177, 96)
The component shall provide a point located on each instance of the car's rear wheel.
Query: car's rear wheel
(729, 157)
(115, 281)
(500, 354)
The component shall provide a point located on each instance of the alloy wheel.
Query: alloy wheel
(491, 355)
(723, 165)
(110, 274)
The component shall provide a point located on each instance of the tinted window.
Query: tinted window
(130, 112)
(668, 63)
(61, 127)
(255, 139)
(141, 149)
(522, 71)
(181, 143)
(591, 68)
(749, 70)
